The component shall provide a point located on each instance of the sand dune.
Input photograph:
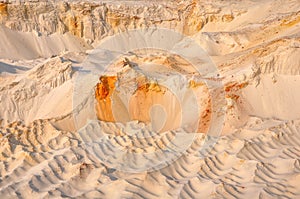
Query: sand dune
(39, 160)
(83, 114)
(27, 45)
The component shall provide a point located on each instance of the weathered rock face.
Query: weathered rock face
(94, 21)
(103, 94)
(134, 93)
(3, 9)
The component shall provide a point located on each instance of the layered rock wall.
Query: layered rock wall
(93, 21)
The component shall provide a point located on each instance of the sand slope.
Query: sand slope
(43, 45)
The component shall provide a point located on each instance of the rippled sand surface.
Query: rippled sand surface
(148, 125)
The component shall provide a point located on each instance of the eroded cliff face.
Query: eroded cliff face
(135, 91)
(93, 21)
(25, 98)
(256, 48)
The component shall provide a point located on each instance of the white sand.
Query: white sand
(45, 97)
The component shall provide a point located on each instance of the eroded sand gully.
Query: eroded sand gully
(254, 44)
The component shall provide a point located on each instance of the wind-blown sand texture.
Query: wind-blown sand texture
(255, 46)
